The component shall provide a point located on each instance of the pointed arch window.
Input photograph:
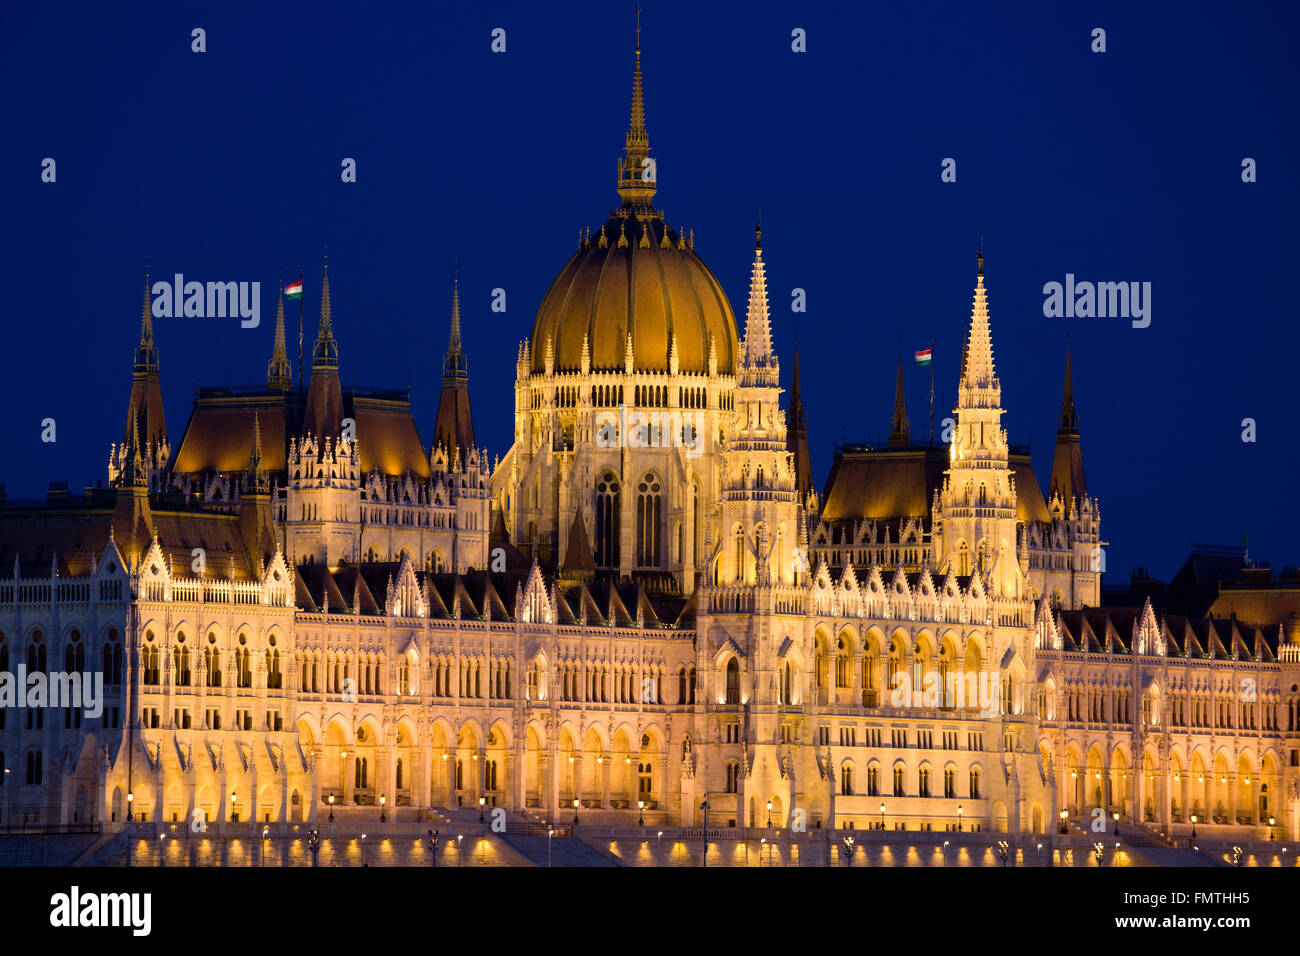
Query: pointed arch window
(607, 521)
(649, 516)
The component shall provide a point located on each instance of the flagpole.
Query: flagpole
(932, 391)
(300, 330)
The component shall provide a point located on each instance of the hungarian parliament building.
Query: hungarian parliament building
(644, 609)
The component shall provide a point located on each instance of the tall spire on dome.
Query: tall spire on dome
(758, 361)
(899, 428)
(1069, 424)
(326, 351)
(636, 171)
(278, 374)
(797, 433)
(146, 390)
(1067, 461)
(324, 412)
(146, 353)
(454, 426)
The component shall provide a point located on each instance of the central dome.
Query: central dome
(633, 279)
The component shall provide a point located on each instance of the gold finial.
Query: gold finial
(681, 238)
(980, 257)
(758, 232)
(604, 242)
(692, 239)
(645, 236)
(663, 240)
(622, 234)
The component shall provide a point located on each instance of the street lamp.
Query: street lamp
(1272, 833)
(482, 801)
(882, 816)
(265, 832)
(549, 833)
(162, 849)
(331, 798)
(363, 850)
(640, 805)
(769, 814)
(432, 843)
(1002, 852)
(1098, 850)
(575, 811)
(1115, 814)
(130, 805)
(1193, 826)
(959, 813)
(234, 807)
(848, 842)
(383, 805)
(1064, 827)
(313, 844)
(460, 849)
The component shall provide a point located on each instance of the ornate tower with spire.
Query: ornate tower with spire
(454, 426)
(977, 513)
(636, 170)
(279, 377)
(900, 433)
(324, 413)
(797, 434)
(145, 402)
(1067, 463)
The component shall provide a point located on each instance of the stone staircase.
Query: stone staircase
(564, 850)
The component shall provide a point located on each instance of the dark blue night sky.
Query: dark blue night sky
(1122, 166)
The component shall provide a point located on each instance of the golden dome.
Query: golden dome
(652, 288)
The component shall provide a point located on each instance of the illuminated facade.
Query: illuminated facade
(643, 607)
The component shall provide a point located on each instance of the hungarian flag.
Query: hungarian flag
(294, 290)
(922, 355)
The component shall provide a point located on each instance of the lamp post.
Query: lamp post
(460, 849)
(882, 816)
(1002, 852)
(549, 833)
(363, 850)
(575, 811)
(1115, 815)
(482, 802)
(640, 806)
(1272, 832)
(130, 806)
(1098, 849)
(959, 813)
(848, 842)
(313, 844)
(265, 833)
(1064, 827)
(383, 808)
(1193, 826)
(234, 807)
(769, 814)
(331, 799)
(162, 849)
(432, 843)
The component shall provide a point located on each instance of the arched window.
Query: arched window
(733, 777)
(873, 780)
(182, 662)
(149, 660)
(899, 790)
(36, 653)
(607, 519)
(842, 664)
(681, 685)
(924, 782)
(243, 668)
(733, 681)
(846, 780)
(963, 558)
(212, 662)
(974, 783)
(690, 685)
(273, 679)
(649, 513)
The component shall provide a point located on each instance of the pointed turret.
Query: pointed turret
(255, 524)
(636, 177)
(278, 374)
(797, 433)
(1067, 462)
(324, 412)
(758, 364)
(900, 433)
(132, 516)
(979, 386)
(146, 391)
(454, 426)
